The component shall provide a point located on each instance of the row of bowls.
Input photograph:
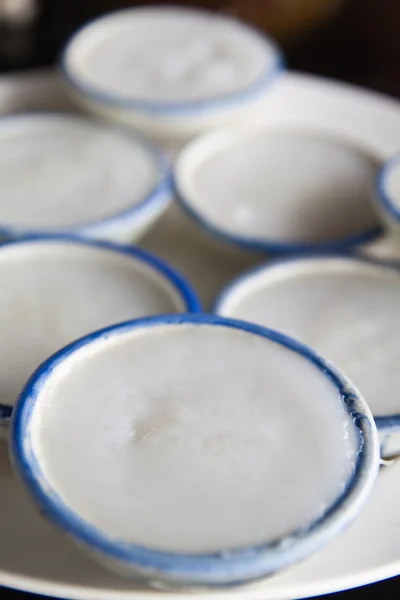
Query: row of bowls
(48, 264)
(88, 179)
(330, 201)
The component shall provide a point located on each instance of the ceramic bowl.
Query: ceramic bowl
(55, 289)
(171, 569)
(388, 194)
(279, 190)
(64, 174)
(201, 40)
(347, 310)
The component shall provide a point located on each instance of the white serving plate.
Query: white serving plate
(36, 558)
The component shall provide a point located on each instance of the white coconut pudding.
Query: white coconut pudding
(278, 190)
(183, 435)
(54, 291)
(65, 173)
(174, 68)
(219, 418)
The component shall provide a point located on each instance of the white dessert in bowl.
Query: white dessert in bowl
(278, 190)
(67, 174)
(54, 290)
(170, 71)
(190, 450)
(343, 306)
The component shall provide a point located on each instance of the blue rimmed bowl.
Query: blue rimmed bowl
(27, 143)
(177, 115)
(172, 569)
(66, 251)
(237, 300)
(388, 193)
(279, 189)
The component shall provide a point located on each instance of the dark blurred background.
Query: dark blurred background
(357, 41)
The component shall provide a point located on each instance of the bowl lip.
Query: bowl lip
(159, 195)
(188, 296)
(175, 108)
(384, 199)
(387, 422)
(225, 566)
(254, 243)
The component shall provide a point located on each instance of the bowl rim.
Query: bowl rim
(389, 422)
(179, 283)
(175, 108)
(192, 155)
(216, 568)
(384, 198)
(159, 196)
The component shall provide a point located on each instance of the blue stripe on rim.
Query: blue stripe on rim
(187, 294)
(270, 246)
(384, 422)
(173, 109)
(221, 568)
(161, 194)
(383, 197)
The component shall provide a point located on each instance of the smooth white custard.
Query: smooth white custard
(346, 309)
(193, 438)
(164, 55)
(59, 172)
(53, 293)
(279, 187)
